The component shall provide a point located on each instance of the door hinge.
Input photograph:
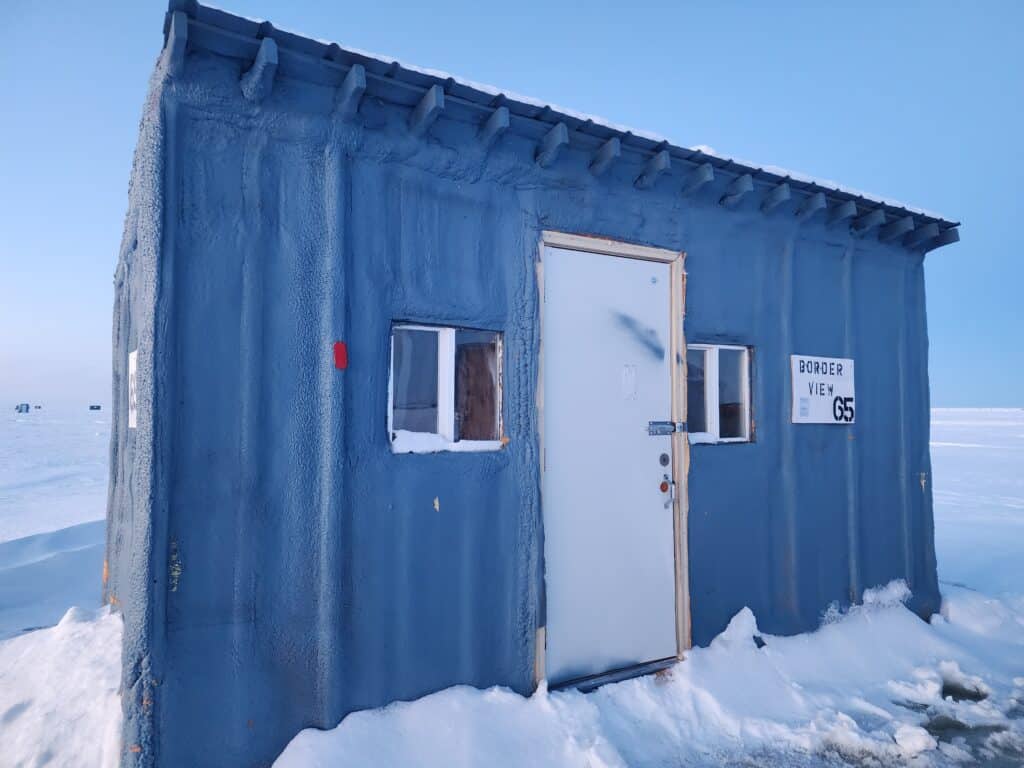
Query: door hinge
(665, 427)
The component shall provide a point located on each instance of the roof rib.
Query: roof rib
(329, 64)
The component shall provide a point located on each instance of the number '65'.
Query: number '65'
(842, 409)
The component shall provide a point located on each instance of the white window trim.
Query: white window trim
(711, 394)
(404, 441)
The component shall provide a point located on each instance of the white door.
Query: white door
(609, 551)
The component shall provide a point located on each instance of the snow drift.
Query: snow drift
(59, 702)
(874, 686)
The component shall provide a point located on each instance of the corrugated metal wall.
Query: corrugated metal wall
(300, 569)
(302, 542)
(809, 514)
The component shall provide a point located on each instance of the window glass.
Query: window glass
(731, 416)
(445, 389)
(696, 408)
(476, 385)
(414, 382)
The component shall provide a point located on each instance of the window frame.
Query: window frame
(406, 441)
(711, 386)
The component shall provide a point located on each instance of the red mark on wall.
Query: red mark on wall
(340, 355)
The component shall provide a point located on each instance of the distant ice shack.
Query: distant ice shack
(418, 384)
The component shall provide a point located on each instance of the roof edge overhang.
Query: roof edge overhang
(269, 51)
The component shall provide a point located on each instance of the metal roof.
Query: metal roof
(328, 64)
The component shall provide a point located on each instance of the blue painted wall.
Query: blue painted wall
(279, 567)
(810, 514)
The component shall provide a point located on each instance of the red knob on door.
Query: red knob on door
(664, 486)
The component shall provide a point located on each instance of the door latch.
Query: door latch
(665, 427)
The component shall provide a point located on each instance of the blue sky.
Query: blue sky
(923, 102)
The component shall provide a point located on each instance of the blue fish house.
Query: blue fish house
(419, 384)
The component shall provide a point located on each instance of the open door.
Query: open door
(614, 459)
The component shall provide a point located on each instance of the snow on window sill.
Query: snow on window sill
(705, 438)
(431, 442)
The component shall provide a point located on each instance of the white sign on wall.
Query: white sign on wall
(133, 388)
(822, 390)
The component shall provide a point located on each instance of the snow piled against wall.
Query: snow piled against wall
(875, 685)
(59, 703)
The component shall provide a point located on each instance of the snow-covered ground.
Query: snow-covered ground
(59, 703)
(875, 686)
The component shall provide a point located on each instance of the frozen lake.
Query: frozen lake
(53, 500)
(978, 470)
(53, 469)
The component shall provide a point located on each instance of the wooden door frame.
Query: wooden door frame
(680, 443)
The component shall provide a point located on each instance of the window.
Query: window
(445, 389)
(718, 393)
